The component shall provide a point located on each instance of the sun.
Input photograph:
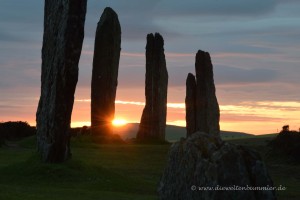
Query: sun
(119, 122)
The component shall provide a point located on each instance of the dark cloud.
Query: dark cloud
(224, 75)
(216, 7)
(233, 75)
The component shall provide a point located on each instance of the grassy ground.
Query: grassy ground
(109, 171)
(94, 172)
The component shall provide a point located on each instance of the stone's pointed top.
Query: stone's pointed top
(159, 37)
(155, 38)
(110, 11)
(150, 36)
(190, 77)
(191, 80)
(109, 17)
(202, 56)
(201, 52)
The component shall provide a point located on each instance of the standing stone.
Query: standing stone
(190, 104)
(206, 107)
(105, 73)
(153, 121)
(203, 166)
(62, 44)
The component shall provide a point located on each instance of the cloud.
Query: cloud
(136, 103)
(232, 75)
(216, 7)
(136, 18)
(248, 118)
(280, 112)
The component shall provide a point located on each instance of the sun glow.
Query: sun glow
(119, 122)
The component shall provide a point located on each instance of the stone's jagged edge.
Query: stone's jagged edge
(204, 160)
(62, 44)
(105, 73)
(153, 120)
(202, 108)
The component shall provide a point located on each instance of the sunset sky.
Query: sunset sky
(254, 46)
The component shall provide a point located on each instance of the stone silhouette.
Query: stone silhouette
(62, 44)
(153, 121)
(202, 99)
(203, 166)
(190, 104)
(205, 161)
(105, 73)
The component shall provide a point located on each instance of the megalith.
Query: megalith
(190, 104)
(202, 166)
(105, 73)
(153, 120)
(205, 167)
(204, 100)
(62, 43)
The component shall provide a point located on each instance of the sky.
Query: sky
(254, 47)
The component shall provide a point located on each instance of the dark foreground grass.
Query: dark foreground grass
(109, 171)
(94, 172)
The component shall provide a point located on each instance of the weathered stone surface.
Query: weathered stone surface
(203, 160)
(190, 104)
(153, 121)
(105, 73)
(62, 44)
(206, 107)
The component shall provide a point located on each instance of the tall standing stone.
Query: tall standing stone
(207, 107)
(202, 108)
(62, 44)
(203, 166)
(105, 73)
(153, 121)
(190, 104)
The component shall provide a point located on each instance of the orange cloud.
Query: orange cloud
(252, 117)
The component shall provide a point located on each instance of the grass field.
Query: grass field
(109, 171)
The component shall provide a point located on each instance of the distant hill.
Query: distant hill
(173, 133)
